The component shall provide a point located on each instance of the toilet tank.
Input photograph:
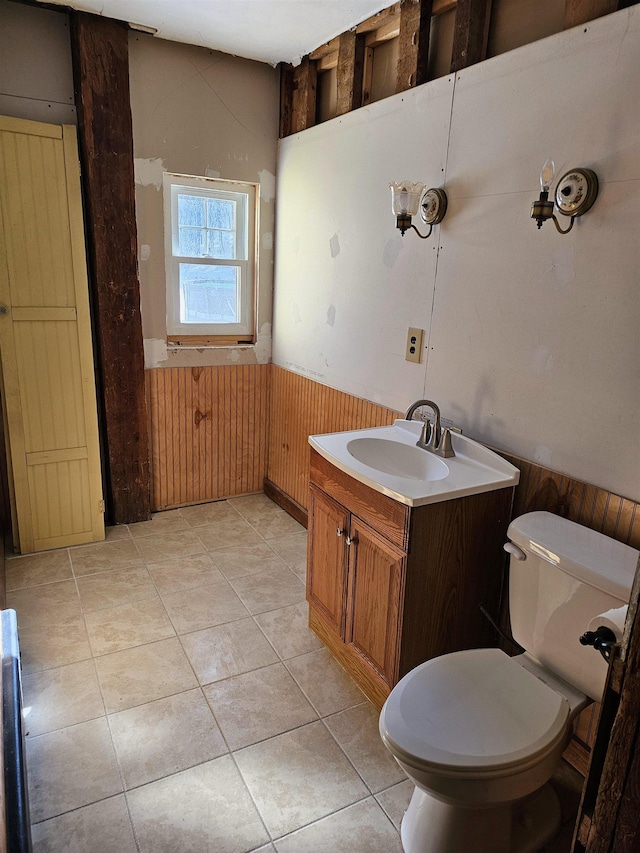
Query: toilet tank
(569, 575)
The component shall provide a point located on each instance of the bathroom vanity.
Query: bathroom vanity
(395, 579)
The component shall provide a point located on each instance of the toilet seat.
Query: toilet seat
(475, 712)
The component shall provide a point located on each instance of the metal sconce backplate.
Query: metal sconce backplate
(433, 206)
(576, 192)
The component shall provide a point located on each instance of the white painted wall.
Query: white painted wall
(533, 340)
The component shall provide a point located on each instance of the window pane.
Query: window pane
(191, 210)
(192, 242)
(222, 244)
(209, 294)
(221, 213)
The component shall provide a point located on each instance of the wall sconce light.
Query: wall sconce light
(575, 194)
(408, 198)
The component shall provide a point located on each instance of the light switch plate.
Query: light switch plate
(414, 345)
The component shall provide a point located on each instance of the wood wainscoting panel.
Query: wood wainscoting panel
(208, 428)
(300, 407)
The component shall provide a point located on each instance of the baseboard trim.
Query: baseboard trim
(286, 502)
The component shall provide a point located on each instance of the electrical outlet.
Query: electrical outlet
(414, 345)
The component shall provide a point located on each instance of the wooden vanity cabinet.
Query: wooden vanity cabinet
(390, 586)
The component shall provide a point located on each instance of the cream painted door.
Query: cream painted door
(46, 355)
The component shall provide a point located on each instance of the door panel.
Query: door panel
(375, 590)
(327, 579)
(45, 340)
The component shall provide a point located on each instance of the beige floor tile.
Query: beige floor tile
(110, 589)
(114, 628)
(204, 607)
(48, 644)
(139, 675)
(256, 506)
(287, 629)
(269, 590)
(159, 523)
(205, 809)
(183, 543)
(71, 768)
(211, 513)
(395, 801)
(103, 827)
(228, 533)
(292, 548)
(361, 828)
(227, 650)
(277, 527)
(324, 682)
(52, 602)
(165, 737)
(356, 730)
(35, 569)
(116, 532)
(258, 705)
(181, 573)
(247, 560)
(104, 557)
(298, 777)
(61, 697)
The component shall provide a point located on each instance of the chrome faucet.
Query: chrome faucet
(432, 438)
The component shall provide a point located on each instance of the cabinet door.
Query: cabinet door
(327, 563)
(376, 579)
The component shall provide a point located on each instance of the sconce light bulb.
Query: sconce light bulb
(546, 175)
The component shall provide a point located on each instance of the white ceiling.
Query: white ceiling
(270, 31)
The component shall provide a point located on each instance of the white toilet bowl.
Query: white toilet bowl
(479, 734)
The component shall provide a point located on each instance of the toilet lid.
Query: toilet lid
(472, 710)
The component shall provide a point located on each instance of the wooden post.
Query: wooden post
(305, 78)
(286, 98)
(350, 72)
(101, 76)
(413, 48)
(471, 32)
(578, 12)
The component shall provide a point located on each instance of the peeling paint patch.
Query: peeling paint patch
(391, 252)
(331, 315)
(334, 245)
(211, 173)
(542, 361)
(148, 172)
(263, 344)
(233, 355)
(267, 241)
(155, 352)
(267, 183)
(145, 252)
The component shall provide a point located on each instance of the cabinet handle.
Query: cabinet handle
(340, 531)
(352, 540)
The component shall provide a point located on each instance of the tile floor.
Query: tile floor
(176, 700)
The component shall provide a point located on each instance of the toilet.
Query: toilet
(480, 733)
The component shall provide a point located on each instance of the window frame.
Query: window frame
(210, 334)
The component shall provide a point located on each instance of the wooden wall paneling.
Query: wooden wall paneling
(578, 12)
(101, 78)
(208, 432)
(350, 71)
(415, 28)
(286, 99)
(471, 32)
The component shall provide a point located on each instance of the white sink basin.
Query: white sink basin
(397, 458)
(387, 460)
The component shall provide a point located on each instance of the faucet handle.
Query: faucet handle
(444, 448)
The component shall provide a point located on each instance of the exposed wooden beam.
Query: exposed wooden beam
(325, 49)
(101, 75)
(380, 19)
(329, 61)
(304, 95)
(350, 71)
(471, 31)
(286, 99)
(578, 12)
(413, 49)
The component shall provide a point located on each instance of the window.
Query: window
(211, 248)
